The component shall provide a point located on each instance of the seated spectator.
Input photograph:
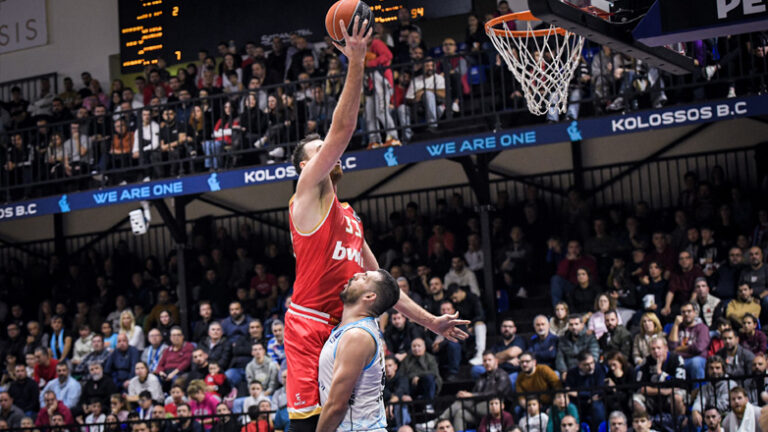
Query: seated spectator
(561, 407)
(565, 280)
(176, 397)
(242, 351)
(727, 275)
(262, 369)
(462, 276)
(617, 422)
(469, 306)
(751, 338)
(448, 352)
(421, 369)
(493, 381)
(743, 415)
(154, 351)
(65, 388)
(97, 387)
(543, 344)
(144, 406)
(743, 304)
(535, 378)
(583, 297)
(559, 321)
(400, 333)
(256, 396)
(163, 305)
(436, 294)
(83, 345)
(144, 381)
(497, 419)
(427, 92)
(396, 391)
(118, 407)
(756, 385)
(582, 382)
(715, 340)
(653, 288)
(24, 391)
(533, 420)
(664, 371)
(199, 367)
(176, 360)
(52, 408)
(707, 306)
(756, 275)
(184, 422)
(620, 376)
(135, 333)
(596, 323)
(275, 345)
(216, 382)
(575, 340)
(217, 346)
(713, 393)
(713, 419)
(121, 363)
(569, 424)
(60, 340)
(10, 412)
(689, 338)
(201, 403)
(616, 337)
(738, 360)
(681, 284)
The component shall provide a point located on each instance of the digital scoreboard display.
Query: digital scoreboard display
(177, 29)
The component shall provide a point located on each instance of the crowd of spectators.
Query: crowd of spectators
(246, 105)
(656, 318)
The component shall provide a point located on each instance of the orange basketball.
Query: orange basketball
(346, 10)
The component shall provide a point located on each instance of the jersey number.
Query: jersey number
(353, 227)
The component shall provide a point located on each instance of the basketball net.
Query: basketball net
(543, 61)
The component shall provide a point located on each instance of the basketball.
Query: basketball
(346, 10)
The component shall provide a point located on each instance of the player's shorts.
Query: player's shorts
(306, 331)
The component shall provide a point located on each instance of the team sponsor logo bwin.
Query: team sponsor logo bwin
(341, 253)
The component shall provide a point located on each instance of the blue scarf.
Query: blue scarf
(153, 359)
(57, 351)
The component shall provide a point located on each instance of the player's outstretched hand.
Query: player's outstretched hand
(448, 326)
(355, 44)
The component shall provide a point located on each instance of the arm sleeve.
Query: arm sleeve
(702, 341)
(560, 361)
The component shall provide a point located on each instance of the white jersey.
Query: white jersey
(366, 405)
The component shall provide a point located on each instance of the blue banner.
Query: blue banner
(393, 156)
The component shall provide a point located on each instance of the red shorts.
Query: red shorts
(306, 331)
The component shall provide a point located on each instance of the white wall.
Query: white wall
(82, 34)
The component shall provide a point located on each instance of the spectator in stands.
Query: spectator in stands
(144, 381)
(743, 304)
(712, 393)
(146, 145)
(66, 388)
(199, 367)
(565, 281)
(427, 91)
(756, 275)
(378, 92)
(97, 387)
(664, 371)
(583, 382)
(52, 407)
(121, 362)
(575, 340)
(456, 68)
(60, 339)
(468, 305)
(497, 418)
(649, 327)
(275, 347)
(751, 338)
(83, 345)
(24, 391)
(242, 349)
(561, 407)
(535, 378)
(600, 305)
(154, 351)
(569, 424)
(217, 346)
(681, 284)
(263, 369)
(493, 382)
(45, 367)
(728, 274)
(163, 304)
(185, 423)
(689, 338)
(616, 337)
(559, 321)
(543, 344)
(422, 371)
(743, 414)
(662, 254)
(9, 412)
(134, 333)
(713, 419)
(738, 360)
(396, 390)
(707, 306)
(448, 353)
(533, 420)
(435, 295)
(176, 360)
(507, 348)
(461, 275)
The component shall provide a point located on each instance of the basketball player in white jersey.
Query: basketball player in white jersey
(351, 370)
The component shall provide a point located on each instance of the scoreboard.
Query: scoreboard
(177, 29)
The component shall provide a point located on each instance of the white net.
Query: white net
(543, 63)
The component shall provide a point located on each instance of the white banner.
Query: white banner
(22, 24)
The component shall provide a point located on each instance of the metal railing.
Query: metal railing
(29, 86)
(262, 124)
(271, 226)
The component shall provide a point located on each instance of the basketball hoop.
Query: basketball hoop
(542, 60)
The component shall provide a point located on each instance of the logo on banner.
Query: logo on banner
(213, 182)
(390, 157)
(574, 132)
(64, 204)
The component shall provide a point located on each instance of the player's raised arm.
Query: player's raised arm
(355, 350)
(344, 120)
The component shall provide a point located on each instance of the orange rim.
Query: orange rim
(520, 16)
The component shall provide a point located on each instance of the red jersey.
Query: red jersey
(326, 258)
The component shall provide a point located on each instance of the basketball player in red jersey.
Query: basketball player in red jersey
(330, 248)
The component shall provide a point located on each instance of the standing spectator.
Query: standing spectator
(689, 338)
(456, 68)
(543, 344)
(176, 360)
(146, 145)
(566, 279)
(493, 382)
(378, 92)
(468, 305)
(24, 391)
(421, 369)
(575, 340)
(121, 363)
(738, 360)
(52, 407)
(64, 387)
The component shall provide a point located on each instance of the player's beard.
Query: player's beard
(336, 174)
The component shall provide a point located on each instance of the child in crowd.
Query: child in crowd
(534, 420)
(497, 420)
(200, 403)
(216, 383)
(145, 405)
(256, 390)
(641, 422)
(96, 416)
(560, 408)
